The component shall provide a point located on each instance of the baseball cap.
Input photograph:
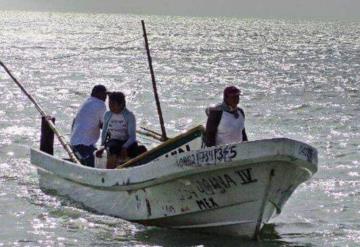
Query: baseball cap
(231, 90)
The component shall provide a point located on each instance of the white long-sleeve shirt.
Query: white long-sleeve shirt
(86, 128)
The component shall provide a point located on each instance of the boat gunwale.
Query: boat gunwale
(179, 173)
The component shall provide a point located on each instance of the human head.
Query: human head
(117, 102)
(99, 91)
(231, 96)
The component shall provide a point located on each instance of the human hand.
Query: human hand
(99, 153)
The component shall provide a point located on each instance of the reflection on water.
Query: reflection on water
(300, 79)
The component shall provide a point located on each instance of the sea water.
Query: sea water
(299, 79)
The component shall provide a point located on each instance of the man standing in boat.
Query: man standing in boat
(119, 132)
(85, 130)
(226, 121)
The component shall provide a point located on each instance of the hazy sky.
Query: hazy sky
(242, 8)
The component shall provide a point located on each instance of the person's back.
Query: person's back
(86, 126)
(87, 123)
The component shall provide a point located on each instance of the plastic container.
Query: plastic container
(100, 162)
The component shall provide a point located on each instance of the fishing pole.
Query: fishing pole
(45, 116)
(163, 131)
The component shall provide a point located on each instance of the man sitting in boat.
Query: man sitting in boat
(85, 130)
(119, 132)
(226, 121)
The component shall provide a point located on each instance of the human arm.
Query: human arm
(214, 117)
(106, 119)
(100, 116)
(131, 122)
(245, 138)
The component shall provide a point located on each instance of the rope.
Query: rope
(117, 46)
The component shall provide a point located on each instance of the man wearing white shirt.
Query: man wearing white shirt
(226, 121)
(85, 130)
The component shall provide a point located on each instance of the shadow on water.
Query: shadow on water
(177, 238)
(114, 231)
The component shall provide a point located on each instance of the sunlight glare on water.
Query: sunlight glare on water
(300, 79)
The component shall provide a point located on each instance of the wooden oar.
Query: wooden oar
(158, 138)
(46, 117)
(163, 131)
(151, 131)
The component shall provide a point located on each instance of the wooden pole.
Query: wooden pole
(144, 133)
(47, 137)
(151, 131)
(163, 131)
(45, 116)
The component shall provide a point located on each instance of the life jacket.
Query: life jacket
(223, 126)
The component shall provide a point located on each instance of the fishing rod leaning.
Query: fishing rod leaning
(157, 101)
(46, 117)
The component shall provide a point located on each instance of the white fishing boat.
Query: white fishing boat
(232, 189)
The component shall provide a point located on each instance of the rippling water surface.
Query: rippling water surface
(300, 79)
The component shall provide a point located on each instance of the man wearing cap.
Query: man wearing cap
(226, 121)
(85, 130)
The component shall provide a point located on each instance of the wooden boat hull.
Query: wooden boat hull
(232, 189)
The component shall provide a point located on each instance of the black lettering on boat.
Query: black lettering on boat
(246, 176)
(169, 209)
(209, 189)
(207, 203)
(204, 186)
(148, 207)
(233, 152)
(199, 157)
(214, 181)
(218, 154)
(213, 203)
(201, 204)
(229, 180)
(187, 194)
(186, 161)
(206, 157)
(215, 184)
(192, 194)
(223, 183)
(178, 151)
(226, 154)
(211, 156)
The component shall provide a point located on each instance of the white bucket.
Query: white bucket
(100, 163)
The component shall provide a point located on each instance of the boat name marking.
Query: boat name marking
(245, 176)
(179, 151)
(169, 209)
(208, 157)
(207, 203)
(217, 184)
(221, 183)
(213, 184)
(148, 207)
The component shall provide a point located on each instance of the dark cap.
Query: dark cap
(231, 90)
(98, 89)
